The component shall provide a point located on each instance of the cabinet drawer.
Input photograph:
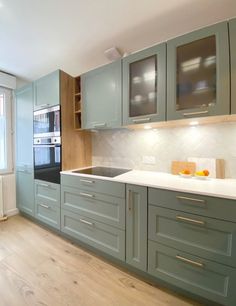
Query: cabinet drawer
(48, 213)
(197, 204)
(98, 235)
(47, 192)
(95, 185)
(206, 237)
(100, 207)
(208, 279)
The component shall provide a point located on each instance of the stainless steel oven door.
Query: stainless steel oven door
(47, 122)
(47, 163)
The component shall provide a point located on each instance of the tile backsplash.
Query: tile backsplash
(126, 148)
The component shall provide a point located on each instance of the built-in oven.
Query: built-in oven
(47, 122)
(47, 159)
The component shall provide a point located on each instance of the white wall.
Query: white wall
(126, 148)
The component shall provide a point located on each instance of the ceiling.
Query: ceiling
(39, 36)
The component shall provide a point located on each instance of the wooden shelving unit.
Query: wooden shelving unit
(77, 104)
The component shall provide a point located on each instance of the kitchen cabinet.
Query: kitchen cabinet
(232, 35)
(136, 226)
(101, 97)
(24, 151)
(93, 211)
(198, 73)
(144, 86)
(47, 90)
(47, 203)
(192, 243)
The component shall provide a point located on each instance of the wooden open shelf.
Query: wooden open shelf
(77, 104)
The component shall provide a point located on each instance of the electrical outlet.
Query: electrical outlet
(150, 160)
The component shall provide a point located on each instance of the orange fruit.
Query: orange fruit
(186, 171)
(206, 172)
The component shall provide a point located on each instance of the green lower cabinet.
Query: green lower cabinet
(199, 276)
(25, 191)
(47, 203)
(108, 239)
(205, 237)
(100, 207)
(136, 226)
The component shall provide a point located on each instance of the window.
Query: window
(5, 130)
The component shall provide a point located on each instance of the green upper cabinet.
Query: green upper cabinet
(232, 35)
(24, 150)
(144, 86)
(198, 73)
(101, 97)
(47, 90)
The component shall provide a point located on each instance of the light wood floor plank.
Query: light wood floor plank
(38, 267)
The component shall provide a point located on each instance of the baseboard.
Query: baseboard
(12, 212)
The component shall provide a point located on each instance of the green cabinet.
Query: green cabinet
(47, 203)
(136, 226)
(232, 35)
(93, 211)
(198, 73)
(47, 90)
(101, 97)
(144, 86)
(203, 277)
(24, 149)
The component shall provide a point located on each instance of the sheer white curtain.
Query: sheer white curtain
(5, 130)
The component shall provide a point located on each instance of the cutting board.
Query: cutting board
(178, 166)
(215, 166)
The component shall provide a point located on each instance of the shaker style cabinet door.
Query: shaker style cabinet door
(101, 97)
(24, 149)
(47, 90)
(144, 86)
(198, 73)
(232, 36)
(136, 226)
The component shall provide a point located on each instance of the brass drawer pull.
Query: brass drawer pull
(141, 120)
(86, 222)
(43, 185)
(190, 199)
(44, 206)
(97, 125)
(184, 219)
(130, 199)
(87, 195)
(191, 262)
(87, 181)
(195, 113)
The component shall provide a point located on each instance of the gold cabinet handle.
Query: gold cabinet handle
(130, 199)
(188, 220)
(45, 206)
(87, 195)
(87, 181)
(97, 125)
(86, 222)
(189, 261)
(195, 113)
(141, 120)
(190, 199)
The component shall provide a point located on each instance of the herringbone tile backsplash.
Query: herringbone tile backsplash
(126, 148)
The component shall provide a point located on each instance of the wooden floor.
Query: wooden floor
(38, 267)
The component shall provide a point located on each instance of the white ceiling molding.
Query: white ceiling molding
(7, 80)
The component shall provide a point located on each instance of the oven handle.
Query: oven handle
(46, 146)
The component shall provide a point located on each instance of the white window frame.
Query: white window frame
(9, 132)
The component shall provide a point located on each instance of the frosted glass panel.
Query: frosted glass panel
(143, 87)
(196, 74)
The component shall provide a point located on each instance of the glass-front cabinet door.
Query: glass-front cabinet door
(144, 86)
(232, 36)
(198, 73)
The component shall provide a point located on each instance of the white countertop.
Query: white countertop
(223, 188)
